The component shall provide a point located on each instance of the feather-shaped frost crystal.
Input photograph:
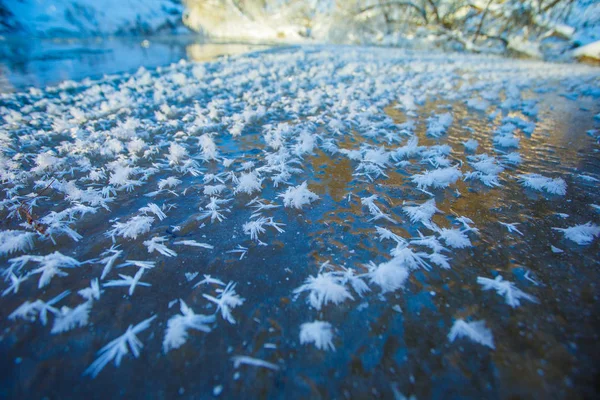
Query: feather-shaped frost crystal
(30, 311)
(581, 234)
(438, 124)
(49, 265)
(542, 183)
(421, 213)
(318, 332)
(374, 209)
(298, 196)
(194, 243)
(178, 325)
(324, 288)
(256, 226)
(213, 210)
(249, 182)
(226, 301)
(69, 318)
(245, 360)
(511, 293)
(13, 241)
(476, 331)
(119, 348)
(133, 228)
(512, 227)
(454, 237)
(389, 276)
(437, 178)
(157, 244)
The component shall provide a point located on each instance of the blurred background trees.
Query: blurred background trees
(523, 27)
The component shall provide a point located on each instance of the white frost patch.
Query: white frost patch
(245, 360)
(13, 241)
(511, 293)
(541, 183)
(120, 347)
(471, 144)
(581, 234)
(257, 226)
(194, 243)
(421, 213)
(91, 292)
(131, 229)
(248, 183)
(437, 125)
(437, 178)
(318, 332)
(226, 301)
(157, 244)
(455, 237)
(49, 266)
(213, 210)
(208, 146)
(324, 288)
(298, 196)
(69, 318)
(476, 331)
(178, 325)
(389, 276)
(374, 209)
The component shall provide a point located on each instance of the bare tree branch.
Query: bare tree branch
(422, 12)
(487, 7)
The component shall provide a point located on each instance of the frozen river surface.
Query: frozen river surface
(304, 222)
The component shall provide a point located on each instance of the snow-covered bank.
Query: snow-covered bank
(590, 51)
(79, 18)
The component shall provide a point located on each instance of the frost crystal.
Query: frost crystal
(194, 243)
(581, 234)
(13, 241)
(92, 292)
(324, 288)
(298, 196)
(227, 300)
(213, 210)
(49, 266)
(131, 281)
(239, 360)
(511, 293)
(476, 331)
(248, 183)
(455, 238)
(438, 124)
(374, 209)
(421, 213)
(119, 347)
(178, 325)
(15, 283)
(68, 318)
(39, 308)
(389, 276)
(156, 244)
(541, 183)
(131, 229)
(256, 226)
(317, 332)
(154, 209)
(437, 178)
